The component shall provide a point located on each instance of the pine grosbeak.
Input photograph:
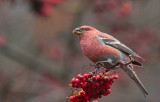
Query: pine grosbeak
(103, 48)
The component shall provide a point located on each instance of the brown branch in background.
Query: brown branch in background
(29, 60)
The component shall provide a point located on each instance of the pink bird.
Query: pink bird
(104, 49)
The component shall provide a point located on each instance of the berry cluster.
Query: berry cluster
(92, 86)
(119, 8)
(3, 41)
(44, 7)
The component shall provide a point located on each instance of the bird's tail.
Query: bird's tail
(134, 76)
(135, 54)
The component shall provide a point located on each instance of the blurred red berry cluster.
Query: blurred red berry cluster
(149, 38)
(93, 86)
(44, 7)
(120, 8)
(3, 41)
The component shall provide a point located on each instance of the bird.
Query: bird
(103, 48)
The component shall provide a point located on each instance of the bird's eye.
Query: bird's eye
(86, 29)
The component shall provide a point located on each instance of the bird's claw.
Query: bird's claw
(99, 64)
(131, 60)
(123, 63)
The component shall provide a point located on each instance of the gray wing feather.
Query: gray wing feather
(118, 45)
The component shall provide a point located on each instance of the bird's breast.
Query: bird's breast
(96, 51)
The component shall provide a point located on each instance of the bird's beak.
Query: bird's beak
(77, 31)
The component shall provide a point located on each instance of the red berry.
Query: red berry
(88, 98)
(95, 101)
(105, 94)
(109, 91)
(97, 84)
(93, 85)
(108, 86)
(111, 78)
(86, 76)
(115, 76)
(106, 78)
(88, 84)
(83, 100)
(73, 85)
(72, 98)
(97, 91)
(94, 78)
(73, 81)
(84, 85)
(98, 78)
(82, 93)
(103, 91)
(110, 82)
(77, 81)
(77, 100)
(82, 79)
(90, 75)
(79, 75)
(100, 96)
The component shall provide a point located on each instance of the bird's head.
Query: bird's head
(82, 30)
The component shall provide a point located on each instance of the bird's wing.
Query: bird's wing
(118, 45)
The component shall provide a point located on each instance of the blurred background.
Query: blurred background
(39, 55)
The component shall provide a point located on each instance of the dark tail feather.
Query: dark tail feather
(137, 63)
(134, 76)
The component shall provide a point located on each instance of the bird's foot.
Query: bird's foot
(107, 70)
(131, 60)
(99, 65)
(122, 63)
